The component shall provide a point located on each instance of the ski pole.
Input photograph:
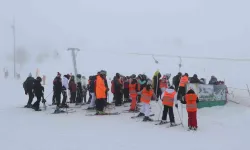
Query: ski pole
(180, 117)
(49, 95)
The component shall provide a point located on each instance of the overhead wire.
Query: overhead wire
(177, 56)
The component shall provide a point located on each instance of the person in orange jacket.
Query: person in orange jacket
(182, 86)
(146, 95)
(133, 89)
(101, 92)
(191, 100)
(168, 100)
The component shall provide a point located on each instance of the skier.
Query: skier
(195, 79)
(89, 99)
(65, 84)
(156, 84)
(79, 89)
(91, 89)
(118, 90)
(84, 92)
(176, 81)
(28, 88)
(38, 90)
(213, 80)
(142, 82)
(168, 100)
(57, 83)
(101, 92)
(126, 90)
(146, 95)
(133, 89)
(191, 100)
(182, 86)
(113, 90)
(163, 84)
(72, 89)
(6, 73)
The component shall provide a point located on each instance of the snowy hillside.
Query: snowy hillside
(220, 128)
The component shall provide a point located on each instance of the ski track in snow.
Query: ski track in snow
(220, 128)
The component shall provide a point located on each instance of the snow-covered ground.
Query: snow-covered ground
(220, 128)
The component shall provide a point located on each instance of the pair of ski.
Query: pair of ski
(64, 111)
(105, 114)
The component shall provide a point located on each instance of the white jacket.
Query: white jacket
(65, 83)
(171, 91)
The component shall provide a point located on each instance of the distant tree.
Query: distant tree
(22, 56)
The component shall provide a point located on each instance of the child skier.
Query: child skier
(191, 100)
(168, 100)
(133, 89)
(146, 95)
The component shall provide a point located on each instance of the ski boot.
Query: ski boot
(140, 114)
(172, 124)
(64, 106)
(57, 111)
(146, 118)
(100, 113)
(28, 106)
(163, 122)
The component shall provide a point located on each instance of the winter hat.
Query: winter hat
(186, 74)
(195, 76)
(58, 74)
(103, 72)
(39, 79)
(30, 75)
(117, 75)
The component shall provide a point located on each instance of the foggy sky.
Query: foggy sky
(212, 28)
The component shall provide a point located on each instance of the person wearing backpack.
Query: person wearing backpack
(28, 88)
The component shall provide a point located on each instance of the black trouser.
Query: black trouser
(90, 97)
(58, 98)
(118, 98)
(181, 92)
(168, 110)
(100, 103)
(79, 97)
(72, 97)
(64, 92)
(138, 98)
(31, 96)
(85, 97)
(36, 105)
(126, 93)
(54, 98)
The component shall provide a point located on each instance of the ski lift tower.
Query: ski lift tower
(73, 53)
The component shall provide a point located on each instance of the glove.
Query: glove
(157, 99)
(176, 105)
(43, 101)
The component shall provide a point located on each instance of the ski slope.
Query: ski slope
(220, 128)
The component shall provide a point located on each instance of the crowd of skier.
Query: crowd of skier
(125, 89)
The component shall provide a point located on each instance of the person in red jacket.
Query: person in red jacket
(72, 89)
(191, 100)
